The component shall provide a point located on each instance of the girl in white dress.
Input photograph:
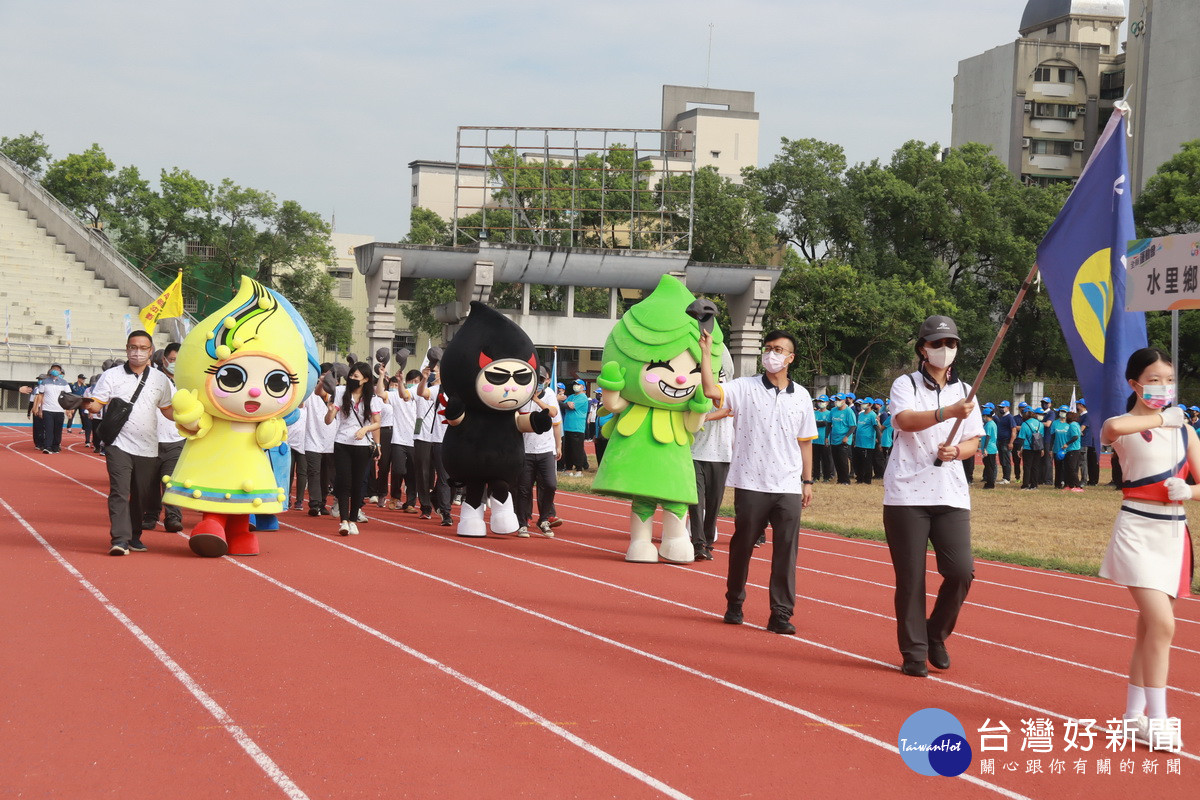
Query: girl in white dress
(1150, 549)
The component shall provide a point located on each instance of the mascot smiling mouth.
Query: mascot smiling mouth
(675, 394)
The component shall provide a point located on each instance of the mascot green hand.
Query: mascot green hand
(651, 382)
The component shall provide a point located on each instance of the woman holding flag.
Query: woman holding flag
(1150, 550)
(925, 495)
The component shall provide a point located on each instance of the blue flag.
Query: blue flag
(1082, 261)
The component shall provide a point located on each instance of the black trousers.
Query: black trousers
(752, 511)
(1002, 450)
(433, 483)
(1092, 462)
(1016, 458)
(85, 422)
(351, 462)
(1032, 459)
(968, 465)
(601, 445)
(864, 464)
(841, 462)
(1070, 468)
(320, 478)
(539, 469)
(298, 478)
(820, 454)
(909, 529)
(710, 489)
(989, 471)
(131, 488)
(164, 465)
(52, 428)
(879, 459)
(1048, 468)
(382, 472)
(574, 456)
(398, 464)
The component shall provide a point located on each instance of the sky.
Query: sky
(326, 103)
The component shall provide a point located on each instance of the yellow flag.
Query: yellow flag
(168, 304)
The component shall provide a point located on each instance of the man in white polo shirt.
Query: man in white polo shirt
(541, 455)
(132, 457)
(771, 471)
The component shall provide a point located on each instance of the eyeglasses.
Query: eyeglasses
(133, 349)
(779, 350)
(951, 343)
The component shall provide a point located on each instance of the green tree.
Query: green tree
(803, 185)
(1170, 202)
(729, 223)
(27, 151)
(84, 183)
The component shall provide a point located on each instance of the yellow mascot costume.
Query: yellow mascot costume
(239, 372)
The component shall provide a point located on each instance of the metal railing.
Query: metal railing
(47, 354)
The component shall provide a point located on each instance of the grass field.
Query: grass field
(1045, 528)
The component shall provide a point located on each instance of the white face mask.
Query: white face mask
(941, 357)
(1158, 395)
(773, 362)
(138, 358)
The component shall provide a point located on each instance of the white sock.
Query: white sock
(1135, 701)
(1156, 702)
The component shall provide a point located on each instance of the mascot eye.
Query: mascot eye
(231, 378)
(278, 383)
(523, 378)
(497, 377)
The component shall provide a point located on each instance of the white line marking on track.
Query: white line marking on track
(658, 598)
(243, 739)
(613, 642)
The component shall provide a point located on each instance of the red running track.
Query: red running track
(407, 662)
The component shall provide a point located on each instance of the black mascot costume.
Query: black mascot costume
(489, 371)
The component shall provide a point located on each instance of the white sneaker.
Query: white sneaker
(1163, 735)
(544, 529)
(362, 517)
(344, 528)
(1003, 482)
(523, 532)
(372, 499)
(353, 531)
(334, 510)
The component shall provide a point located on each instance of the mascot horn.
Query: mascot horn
(651, 382)
(239, 373)
(489, 371)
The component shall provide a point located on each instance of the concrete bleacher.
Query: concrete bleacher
(51, 263)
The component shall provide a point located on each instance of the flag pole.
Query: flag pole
(987, 362)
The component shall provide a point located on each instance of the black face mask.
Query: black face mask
(352, 383)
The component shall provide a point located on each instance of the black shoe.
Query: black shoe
(778, 624)
(447, 520)
(938, 655)
(312, 512)
(701, 553)
(324, 511)
(761, 541)
(138, 547)
(733, 615)
(916, 669)
(172, 526)
(118, 550)
(149, 524)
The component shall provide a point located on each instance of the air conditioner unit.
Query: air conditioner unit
(1028, 107)
(1078, 146)
(1024, 144)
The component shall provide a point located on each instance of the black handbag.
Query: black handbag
(370, 438)
(117, 412)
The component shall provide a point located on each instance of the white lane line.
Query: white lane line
(888, 586)
(533, 716)
(243, 739)
(930, 570)
(657, 598)
(604, 639)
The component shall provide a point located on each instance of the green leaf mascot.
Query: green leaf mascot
(651, 382)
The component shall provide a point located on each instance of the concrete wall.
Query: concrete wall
(1163, 75)
(983, 100)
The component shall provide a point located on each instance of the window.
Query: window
(1051, 30)
(1112, 85)
(1042, 74)
(1050, 147)
(403, 339)
(715, 153)
(1055, 110)
(1055, 74)
(1066, 75)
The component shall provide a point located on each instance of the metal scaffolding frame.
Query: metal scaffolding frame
(650, 214)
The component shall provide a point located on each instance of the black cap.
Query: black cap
(937, 327)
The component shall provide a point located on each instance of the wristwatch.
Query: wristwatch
(807, 483)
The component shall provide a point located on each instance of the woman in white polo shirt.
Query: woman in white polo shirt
(924, 502)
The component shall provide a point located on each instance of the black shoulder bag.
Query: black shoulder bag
(116, 413)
